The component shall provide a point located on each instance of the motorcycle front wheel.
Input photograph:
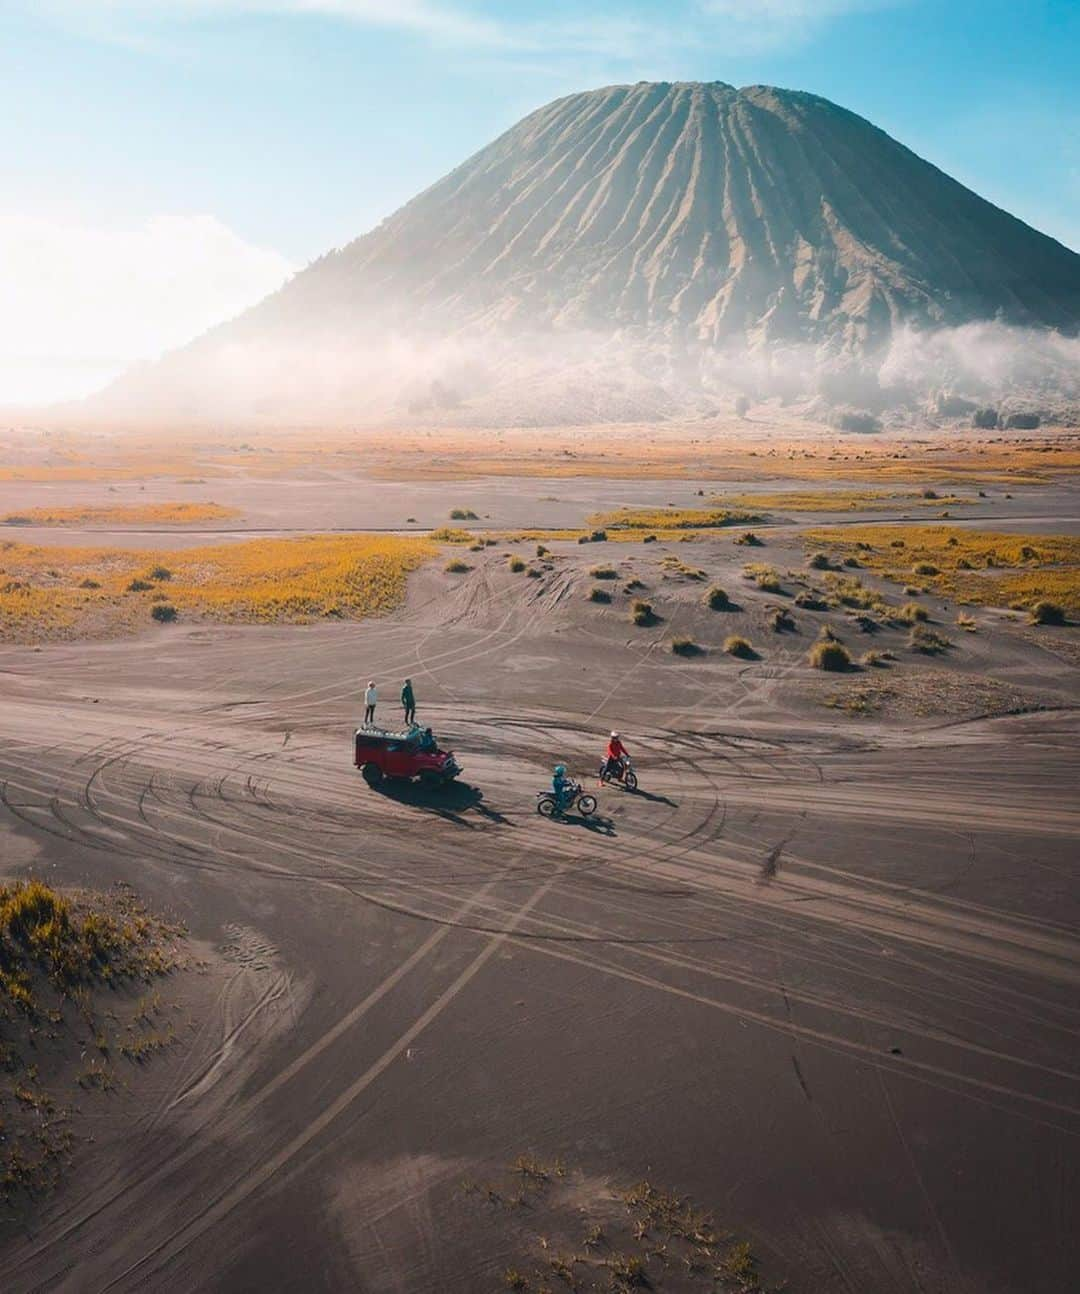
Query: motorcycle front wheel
(630, 781)
(586, 804)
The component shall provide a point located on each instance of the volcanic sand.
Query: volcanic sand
(821, 973)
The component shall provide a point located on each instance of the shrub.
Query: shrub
(1022, 421)
(913, 590)
(852, 561)
(598, 537)
(462, 514)
(716, 599)
(598, 594)
(764, 576)
(533, 573)
(830, 655)
(477, 548)
(964, 565)
(911, 612)
(139, 586)
(1047, 613)
(163, 612)
(966, 622)
(875, 660)
(642, 613)
(781, 620)
(632, 584)
(161, 573)
(89, 584)
(541, 551)
(685, 647)
(515, 563)
(649, 539)
(734, 645)
(927, 641)
(750, 540)
(604, 573)
(930, 494)
(925, 568)
(455, 566)
(810, 601)
(985, 419)
(819, 561)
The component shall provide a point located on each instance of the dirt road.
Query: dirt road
(821, 975)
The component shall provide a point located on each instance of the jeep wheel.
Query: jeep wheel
(372, 774)
(430, 780)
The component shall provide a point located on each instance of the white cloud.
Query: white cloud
(622, 31)
(80, 303)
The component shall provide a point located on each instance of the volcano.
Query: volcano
(665, 231)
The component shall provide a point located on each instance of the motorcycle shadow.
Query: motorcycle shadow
(449, 801)
(655, 799)
(599, 826)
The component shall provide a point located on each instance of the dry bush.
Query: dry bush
(163, 612)
(716, 599)
(750, 540)
(810, 601)
(781, 621)
(1047, 613)
(642, 613)
(597, 594)
(685, 647)
(604, 573)
(819, 561)
(830, 655)
(927, 641)
(515, 563)
(462, 514)
(911, 612)
(455, 566)
(735, 645)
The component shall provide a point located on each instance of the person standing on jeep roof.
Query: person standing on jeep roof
(371, 696)
(408, 701)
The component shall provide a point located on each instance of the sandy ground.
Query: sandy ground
(821, 972)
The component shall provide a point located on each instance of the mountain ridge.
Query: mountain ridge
(686, 217)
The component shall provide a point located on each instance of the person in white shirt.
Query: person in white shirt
(371, 696)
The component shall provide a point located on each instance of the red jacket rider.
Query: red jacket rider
(616, 753)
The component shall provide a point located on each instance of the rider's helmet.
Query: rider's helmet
(560, 769)
(615, 736)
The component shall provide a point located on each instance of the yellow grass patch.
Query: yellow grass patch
(48, 592)
(650, 519)
(182, 514)
(843, 500)
(989, 568)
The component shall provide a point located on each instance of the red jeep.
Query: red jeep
(379, 754)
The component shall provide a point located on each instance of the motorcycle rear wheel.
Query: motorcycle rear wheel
(546, 807)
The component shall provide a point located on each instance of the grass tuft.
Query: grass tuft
(1047, 613)
(685, 647)
(642, 613)
(830, 655)
(735, 645)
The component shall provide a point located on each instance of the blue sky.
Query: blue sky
(263, 132)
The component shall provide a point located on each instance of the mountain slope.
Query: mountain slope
(681, 217)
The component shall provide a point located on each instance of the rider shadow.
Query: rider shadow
(655, 799)
(599, 826)
(449, 801)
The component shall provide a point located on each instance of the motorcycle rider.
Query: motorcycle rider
(616, 754)
(561, 787)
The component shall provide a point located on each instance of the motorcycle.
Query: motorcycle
(574, 798)
(624, 774)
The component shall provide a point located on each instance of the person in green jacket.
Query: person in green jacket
(408, 700)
